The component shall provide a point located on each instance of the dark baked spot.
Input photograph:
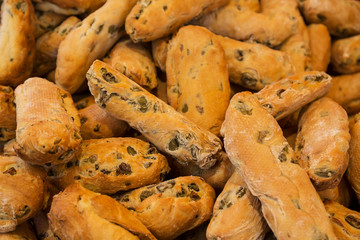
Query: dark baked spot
(12, 171)
(280, 92)
(24, 211)
(268, 107)
(142, 101)
(65, 155)
(193, 186)
(147, 164)
(104, 97)
(321, 17)
(240, 192)
(97, 128)
(112, 29)
(83, 120)
(283, 154)
(315, 78)
(166, 185)
(131, 151)
(324, 172)
(200, 109)
(185, 108)
(243, 108)
(165, 8)
(107, 76)
(123, 169)
(182, 193)
(104, 171)
(239, 55)
(262, 135)
(248, 79)
(194, 196)
(145, 194)
(353, 221)
(99, 29)
(225, 203)
(91, 159)
(152, 149)
(174, 144)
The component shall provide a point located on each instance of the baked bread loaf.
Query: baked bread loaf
(7, 108)
(23, 231)
(345, 90)
(134, 61)
(48, 129)
(345, 54)
(353, 171)
(78, 213)
(18, 204)
(297, 46)
(197, 75)
(96, 34)
(17, 41)
(159, 52)
(322, 143)
(48, 44)
(248, 20)
(110, 165)
(173, 207)
(168, 130)
(142, 25)
(341, 17)
(253, 65)
(256, 146)
(320, 46)
(46, 21)
(237, 213)
(345, 221)
(284, 97)
(97, 123)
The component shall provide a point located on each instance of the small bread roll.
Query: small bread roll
(162, 125)
(345, 222)
(142, 26)
(17, 41)
(46, 21)
(134, 61)
(345, 90)
(269, 24)
(96, 34)
(237, 213)
(341, 17)
(289, 94)
(256, 146)
(173, 207)
(345, 54)
(48, 129)
(110, 165)
(19, 203)
(7, 108)
(78, 213)
(197, 75)
(320, 46)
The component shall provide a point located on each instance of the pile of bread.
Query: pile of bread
(180, 119)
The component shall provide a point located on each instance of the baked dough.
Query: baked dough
(345, 54)
(7, 108)
(320, 46)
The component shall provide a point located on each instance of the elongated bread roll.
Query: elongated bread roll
(320, 46)
(19, 203)
(110, 165)
(256, 146)
(7, 108)
(46, 21)
(17, 41)
(167, 129)
(342, 17)
(247, 20)
(78, 213)
(173, 207)
(197, 75)
(48, 125)
(48, 44)
(289, 94)
(323, 154)
(345, 54)
(345, 90)
(153, 19)
(237, 213)
(134, 61)
(96, 34)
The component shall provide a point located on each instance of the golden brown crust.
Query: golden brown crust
(46, 21)
(322, 143)
(345, 90)
(23, 231)
(167, 129)
(253, 65)
(110, 165)
(353, 171)
(256, 146)
(237, 213)
(173, 207)
(284, 97)
(159, 52)
(197, 75)
(7, 108)
(345, 54)
(85, 102)
(342, 17)
(134, 61)
(90, 40)
(320, 46)
(345, 221)
(18, 204)
(78, 213)
(247, 20)
(48, 125)
(48, 44)
(153, 19)
(17, 42)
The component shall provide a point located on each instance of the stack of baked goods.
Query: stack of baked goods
(168, 119)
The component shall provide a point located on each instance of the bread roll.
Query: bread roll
(7, 108)
(46, 21)
(345, 54)
(320, 46)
